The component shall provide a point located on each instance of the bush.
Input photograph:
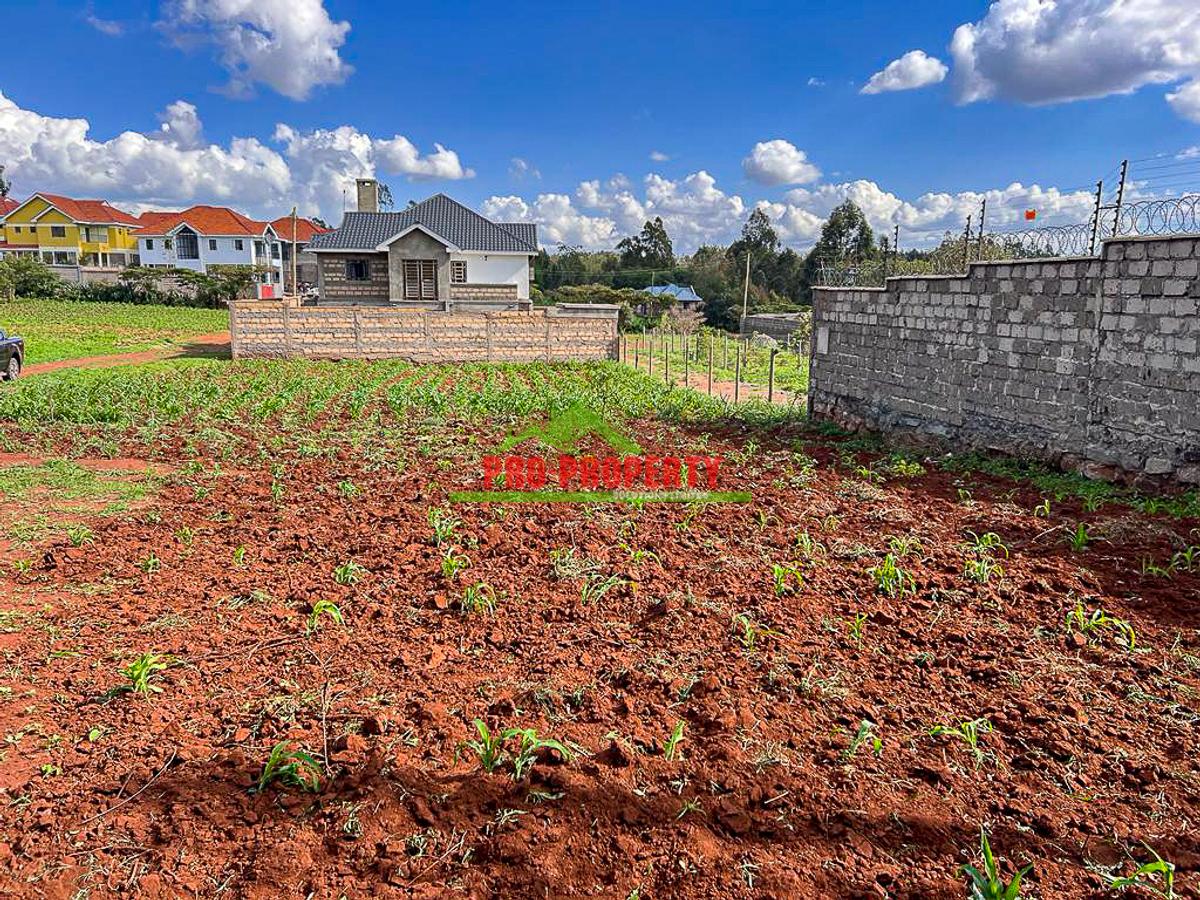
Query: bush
(27, 276)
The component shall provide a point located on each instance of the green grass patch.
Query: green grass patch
(62, 486)
(1058, 485)
(61, 329)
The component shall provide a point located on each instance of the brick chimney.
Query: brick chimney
(368, 195)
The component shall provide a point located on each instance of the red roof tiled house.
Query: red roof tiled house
(63, 231)
(203, 236)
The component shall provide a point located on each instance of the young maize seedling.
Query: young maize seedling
(983, 569)
(322, 608)
(277, 490)
(239, 555)
(566, 564)
(596, 586)
(291, 766)
(1042, 510)
(150, 564)
(453, 563)
(808, 546)
(891, 579)
(907, 545)
(140, 671)
(1147, 876)
(865, 734)
(1080, 538)
(749, 632)
(787, 579)
(857, 627)
(185, 536)
(671, 744)
(987, 543)
(989, 884)
(479, 598)
(1079, 619)
(349, 572)
(348, 489)
(1150, 567)
(489, 748)
(968, 733)
(79, 534)
(1188, 559)
(444, 524)
(528, 746)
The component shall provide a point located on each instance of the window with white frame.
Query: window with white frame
(238, 244)
(420, 279)
(458, 271)
(149, 244)
(59, 231)
(212, 244)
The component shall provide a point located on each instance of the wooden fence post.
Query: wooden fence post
(771, 378)
(712, 342)
(737, 376)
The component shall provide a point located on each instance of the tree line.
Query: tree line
(780, 279)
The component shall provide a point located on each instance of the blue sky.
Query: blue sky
(582, 98)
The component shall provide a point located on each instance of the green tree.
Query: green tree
(846, 237)
(5, 184)
(29, 277)
(650, 249)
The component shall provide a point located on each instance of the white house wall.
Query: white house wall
(484, 268)
(224, 255)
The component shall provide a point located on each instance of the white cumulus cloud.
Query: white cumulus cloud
(1052, 51)
(1186, 100)
(779, 162)
(292, 46)
(659, 157)
(175, 166)
(913, 70)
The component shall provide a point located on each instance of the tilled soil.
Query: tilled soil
(1091, 749)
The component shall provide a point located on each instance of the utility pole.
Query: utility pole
(295, 283)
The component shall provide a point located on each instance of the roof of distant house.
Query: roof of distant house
(88, 212)
(444, 218)
(683, 293)
(206, 220)
(306, 229)
(7, 205)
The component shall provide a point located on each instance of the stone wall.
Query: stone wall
(778, 326)
(280, 328)
(334, 286)
(1090, 363)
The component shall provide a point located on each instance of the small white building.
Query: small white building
(205, 236)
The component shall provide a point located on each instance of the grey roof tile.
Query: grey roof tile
(458, 224)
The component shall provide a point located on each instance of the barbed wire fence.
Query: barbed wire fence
(1163, 199)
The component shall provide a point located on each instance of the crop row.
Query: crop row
(300, 391)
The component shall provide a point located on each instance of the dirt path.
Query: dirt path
(212, 344)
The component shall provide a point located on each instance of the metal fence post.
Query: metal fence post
(1096, 214)
(1120, 197)
(967, 246)
(982, 213)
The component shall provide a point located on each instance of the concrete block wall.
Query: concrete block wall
(280, 328)
(1090, 363)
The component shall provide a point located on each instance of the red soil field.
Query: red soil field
(1089, 748)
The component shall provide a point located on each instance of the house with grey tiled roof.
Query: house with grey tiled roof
(436, 254)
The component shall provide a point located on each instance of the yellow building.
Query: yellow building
(61, 231)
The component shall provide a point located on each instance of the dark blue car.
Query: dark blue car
(12, 356)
